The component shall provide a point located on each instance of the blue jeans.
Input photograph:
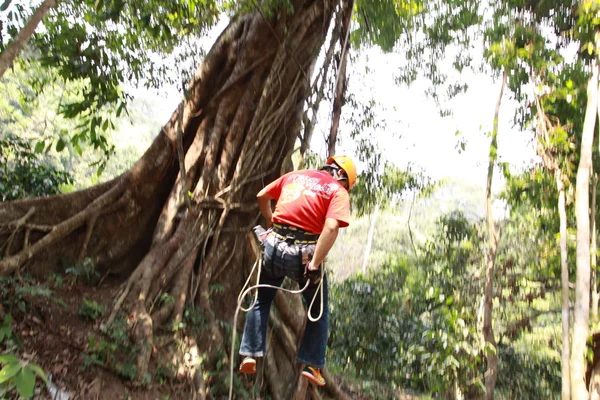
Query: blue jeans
(281, 259)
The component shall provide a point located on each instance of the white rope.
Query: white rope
(319, 288)
(240, 297)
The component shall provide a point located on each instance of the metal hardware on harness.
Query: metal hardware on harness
(261, 234)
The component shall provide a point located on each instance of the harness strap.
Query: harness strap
(294, 235)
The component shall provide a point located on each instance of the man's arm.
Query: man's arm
(325, 242)
(264, 204)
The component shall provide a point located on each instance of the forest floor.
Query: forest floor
(57, 326)
(57, 330)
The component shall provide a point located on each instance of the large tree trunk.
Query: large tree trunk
(564, 275)
(238, 125)
(582, 285)
(16, 45)
(491, 354)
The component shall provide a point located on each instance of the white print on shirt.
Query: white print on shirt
(307, 185)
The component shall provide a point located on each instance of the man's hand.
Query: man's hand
(311, 267)
(312, 273)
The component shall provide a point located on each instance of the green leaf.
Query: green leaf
(9, 371)
(39, 371)
(39, 146)
(25, 381)
(60, 145)
(5, 332)
(120, 109)
(100, 169)
(8, 358)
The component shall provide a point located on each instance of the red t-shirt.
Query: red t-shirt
(306, 198)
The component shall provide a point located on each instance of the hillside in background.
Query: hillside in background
(391, 232)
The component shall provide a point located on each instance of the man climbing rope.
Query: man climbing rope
(311, 206)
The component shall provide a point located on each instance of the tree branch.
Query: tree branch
(181, 158)
(16, 46)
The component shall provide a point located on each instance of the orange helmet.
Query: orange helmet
(345, 163)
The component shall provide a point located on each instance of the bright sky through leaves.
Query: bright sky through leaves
(415, 133)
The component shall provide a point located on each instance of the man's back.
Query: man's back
(306, 198)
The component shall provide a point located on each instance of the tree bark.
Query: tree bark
(340, 82)
(237, 125)
(370, 239)
(491, 372)
(16, 45)
(593, 258)
(564, 275)
(318, 91)
(551, 161)
(582, 284)
(595, 383)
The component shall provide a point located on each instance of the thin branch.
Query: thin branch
(41, 228)
(410, 235)
(340, 81)
(17, 224)
(88, 234)
(244, 181)
(181, 157)
(318, 91)
(26, 239)
(11, 52)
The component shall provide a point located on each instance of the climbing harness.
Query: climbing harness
(311, 278)
(290, 234)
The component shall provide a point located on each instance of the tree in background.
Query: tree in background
(22, 175)
(558, 124)
(10, 52)
(423, 333)
(106, 47)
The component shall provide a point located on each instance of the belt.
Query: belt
(293, 234)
